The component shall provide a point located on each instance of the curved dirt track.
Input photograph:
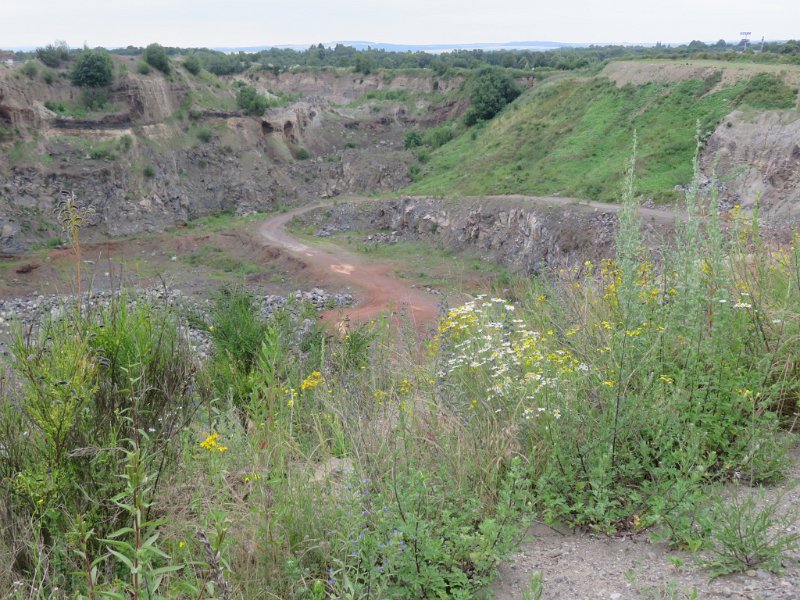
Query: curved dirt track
(378, 290)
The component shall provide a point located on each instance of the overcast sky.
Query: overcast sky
(218, 23)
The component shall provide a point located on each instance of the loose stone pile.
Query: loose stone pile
(28, 313)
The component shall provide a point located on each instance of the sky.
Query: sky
(240, 23)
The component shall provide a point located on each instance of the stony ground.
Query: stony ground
(578, 566)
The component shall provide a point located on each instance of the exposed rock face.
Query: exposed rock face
(758, 155)
(144, 168)
(343, 87)
(528, 236)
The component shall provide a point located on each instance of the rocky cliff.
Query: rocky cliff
(168, 150)
(527, 234)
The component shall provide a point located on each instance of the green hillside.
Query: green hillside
(572, 137)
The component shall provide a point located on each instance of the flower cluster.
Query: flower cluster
(315, 379)
(212, 445)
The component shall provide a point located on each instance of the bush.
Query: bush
(48, 77)
(249, 100)
(192, 64)
(490, 90)
(438, 136)
(156, 57)
(302, 154)
(53, 55)
(29, 69)
(93, 69)
(148, 171)
(412, 139)
(204, 134)
(766, 91)
(94, 98)
(142, 68)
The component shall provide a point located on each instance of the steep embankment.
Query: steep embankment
(573, 136)
(163, 150)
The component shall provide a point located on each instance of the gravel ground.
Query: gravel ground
(577, 566)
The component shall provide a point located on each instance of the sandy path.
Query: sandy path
(330, 265)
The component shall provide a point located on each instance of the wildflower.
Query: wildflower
(742, 305)
(378, 394)
(210, 442)
(556, 413)
(181, 544)
(666, 379)
(608, 383)
(314, 380)
(212, 445)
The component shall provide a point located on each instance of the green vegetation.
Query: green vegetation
(299, 464)
(143, 68)
(30, 70)
(155, 56)
(54, 55)
(490, 90)
(249, 100)
(766, 91)
(571, 137)
(192, 64)
(218, 259)
(93, 69)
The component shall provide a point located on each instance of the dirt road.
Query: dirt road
(376, 288)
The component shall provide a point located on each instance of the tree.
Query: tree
(53, 55)
(93, 69)
(156, 57)
(192, 64)
(490, 89)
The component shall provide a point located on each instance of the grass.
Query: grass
(423, 262)
(571, 137)
(217, 259)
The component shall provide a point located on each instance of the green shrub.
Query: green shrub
(249, 100)
(438, 136)
(766, 91)
(192, 64)
(93, 69)
(29, 69)
(53, 55)
(302, 154)
(155, 56)
(490, 90)
(204, 134)
(143, 68)
(94, 99)
(148, 171)
(88, 381)
(412, 139)
(48, 77)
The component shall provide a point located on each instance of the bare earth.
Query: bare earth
(376, 289)
(578, 566)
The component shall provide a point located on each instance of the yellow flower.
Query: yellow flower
(210, 443)
(314, 380)
(608, 383)
(181, 544)
(666, 379)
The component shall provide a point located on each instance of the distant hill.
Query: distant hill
(434, 48)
